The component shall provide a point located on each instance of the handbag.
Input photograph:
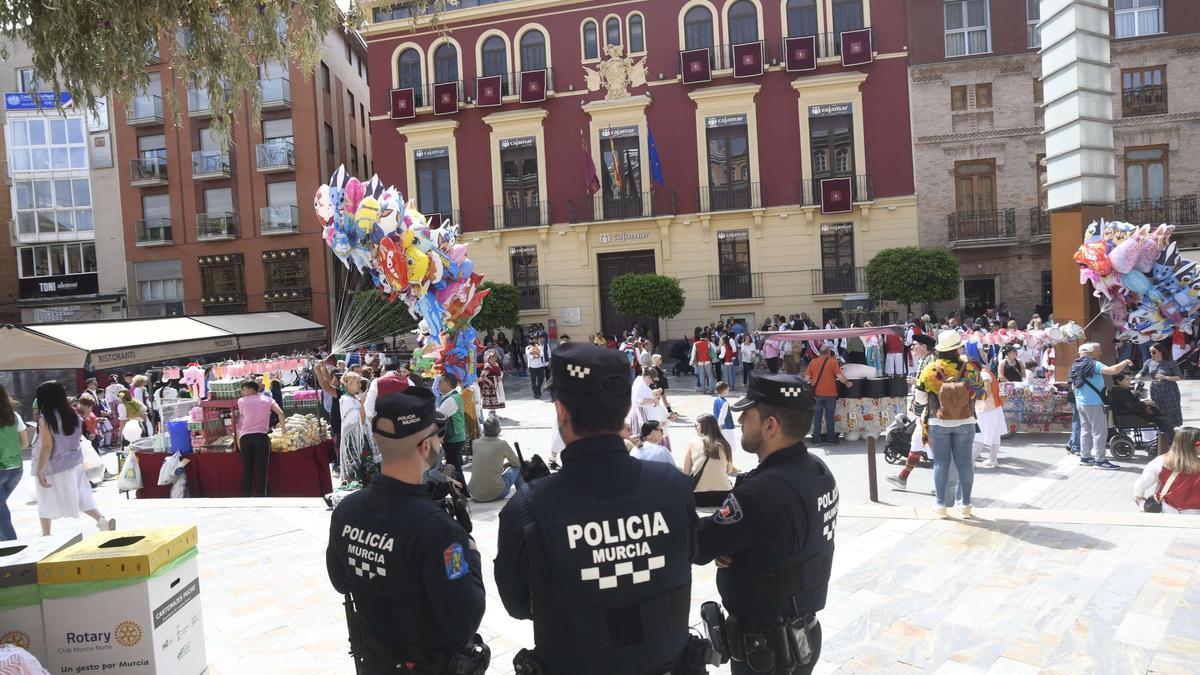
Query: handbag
(696, 476)
(1154, 504)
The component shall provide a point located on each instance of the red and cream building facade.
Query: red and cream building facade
(757, 150)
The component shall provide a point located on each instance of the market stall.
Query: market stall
(1036, 407)
(300, 473)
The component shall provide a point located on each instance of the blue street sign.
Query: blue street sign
(19, 100)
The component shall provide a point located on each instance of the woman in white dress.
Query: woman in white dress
(63, 490)
(647, 405)
(989, 410)
(709, 460)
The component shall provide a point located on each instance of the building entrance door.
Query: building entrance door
(978, 295)
(610, 266)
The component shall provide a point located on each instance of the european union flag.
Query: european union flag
(655, 165)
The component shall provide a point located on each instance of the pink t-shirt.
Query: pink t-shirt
(255, 413)
(770, 349)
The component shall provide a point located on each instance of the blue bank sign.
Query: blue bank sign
(19, 100)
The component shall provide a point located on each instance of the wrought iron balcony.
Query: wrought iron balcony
(735, 286)
(147, 171)
(838, 280)
(274, 220)
(1179, 211)
(729, 197)
(145, 110)
(276, 93)
(533, 298)
(976, 229)
(153, 231)
(606, 207)
(436, 218)
(275, 156)
(1039, 225)
(1150, 99)
(216, 226)
(210, 164)
(862, 189)
(505, 217)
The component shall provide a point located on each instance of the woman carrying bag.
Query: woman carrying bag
(709, 461)
(1170, 483)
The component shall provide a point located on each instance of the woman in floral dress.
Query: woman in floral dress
(491, 381)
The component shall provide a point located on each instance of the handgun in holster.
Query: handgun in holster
(714, 624)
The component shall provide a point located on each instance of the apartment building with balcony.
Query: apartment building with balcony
(763, 162)
(977, 128)
(214, 228)
(64, 257)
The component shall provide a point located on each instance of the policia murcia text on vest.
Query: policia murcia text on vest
(411, 574)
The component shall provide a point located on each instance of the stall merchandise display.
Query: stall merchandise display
(298, 431)
(1036, 407)
(300, 401)
(859, 418)
(225, 389)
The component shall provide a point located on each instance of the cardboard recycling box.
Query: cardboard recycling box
(125, 602)
(20, 602)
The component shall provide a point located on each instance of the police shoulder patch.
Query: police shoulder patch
(455, 561)
(730, 511)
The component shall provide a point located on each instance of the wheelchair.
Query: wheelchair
(1129, 433)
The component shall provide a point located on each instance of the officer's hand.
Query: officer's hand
(724, 561)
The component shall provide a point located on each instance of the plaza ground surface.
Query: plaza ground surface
(1057, 573)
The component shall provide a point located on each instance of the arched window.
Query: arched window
(637, 35)
(698, 28)
(612, 31)
(445, 63)
(409, 68)
(801, 17)
(533, 51)
(847, 15)
(495, 56)
(591, 40)
(743, 22)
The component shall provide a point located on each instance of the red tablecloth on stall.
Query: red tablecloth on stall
(303, 473)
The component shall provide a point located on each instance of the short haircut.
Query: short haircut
(649, 371)
(794, 422)
(1121, 377)
(721, 386)
(491, 426)
(649, 427)
(1089, 348)
(596, 413)
(250, 384)
(450, 379)
(85, 401)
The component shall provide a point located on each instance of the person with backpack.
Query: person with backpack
(948, 388)
(823, 374)
(1087, 378)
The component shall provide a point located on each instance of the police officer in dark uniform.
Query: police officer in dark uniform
(598, 554)
(410, 573)
(772, 538)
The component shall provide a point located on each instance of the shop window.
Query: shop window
(743, 22)
(286, 274)
(433, 183)
(967, 27)
(637, 34)
(223, 283)
(591, 41)
(733, 260)
(445, 63)
(533, 51)
(524, 262)
(1133, 18)
(837, 258)
(56, 260)
(801, 18)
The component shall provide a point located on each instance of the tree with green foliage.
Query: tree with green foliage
(93, 48)
(501, 308)
(647, 295)
(912, 275)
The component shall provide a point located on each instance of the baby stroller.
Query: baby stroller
(898, 441)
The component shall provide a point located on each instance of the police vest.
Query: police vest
(388, 589)
(456, 429)
(612, 583)
(764, 583)
(727, 421)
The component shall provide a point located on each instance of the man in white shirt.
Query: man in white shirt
(651, 449)
(537, 359)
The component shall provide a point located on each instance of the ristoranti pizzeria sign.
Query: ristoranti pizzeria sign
(60, 286)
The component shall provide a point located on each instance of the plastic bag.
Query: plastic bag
(92, 465)
(131, 474)
(167, 473)
(132, 430)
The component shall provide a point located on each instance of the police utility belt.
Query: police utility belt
(696, 657)
(762, 643)
(372, 656)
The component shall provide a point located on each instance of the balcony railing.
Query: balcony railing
(276, 155)
(606, 207)
(729, 197)
(278, 220)
(153, 231)
(144, 110)
(208, 164)
(276, 93)
(735, 286)
(145, 171)
(1178, 211)
(506, 217)
(435, 218)
(1039, 224)
(216, 226)
(862, 189)
(982, 228)
(198, 103)
(531, 298)
(838, 280)
(1150, 99)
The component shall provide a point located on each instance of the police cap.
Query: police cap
(780, 390)
(410, 412)
(586, 369)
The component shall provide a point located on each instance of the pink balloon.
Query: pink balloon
(355, 191)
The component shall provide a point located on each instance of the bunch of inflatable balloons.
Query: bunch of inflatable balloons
(374, 230)
(1147, 288)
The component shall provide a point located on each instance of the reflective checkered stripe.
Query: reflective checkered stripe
(791, 392)
(580, 372)
(622, 569)
(364, 569)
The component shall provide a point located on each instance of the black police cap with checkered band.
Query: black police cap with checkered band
(585, 369)
(781, 390)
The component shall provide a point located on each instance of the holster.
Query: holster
(765, 644)
(527, 662)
